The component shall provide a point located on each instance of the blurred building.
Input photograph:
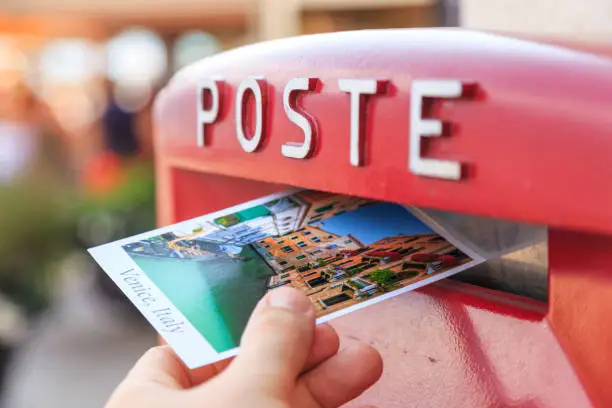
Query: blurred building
(282, 18)
(586, 20)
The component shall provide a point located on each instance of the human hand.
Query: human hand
(285, 361)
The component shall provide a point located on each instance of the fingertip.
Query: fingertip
(371, 361)
(289, 298)
(156, 356)
(328, 335)
(326, 343)
(203, 374)
(160, 365)
(344, 376)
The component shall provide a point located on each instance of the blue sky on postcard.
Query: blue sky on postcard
(374, 222)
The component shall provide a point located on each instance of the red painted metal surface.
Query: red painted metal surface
(580, 279)
(536, 140)
(540, 124)
(454, 345)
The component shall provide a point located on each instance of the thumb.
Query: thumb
(276, 341)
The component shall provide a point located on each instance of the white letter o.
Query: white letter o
(257, 87)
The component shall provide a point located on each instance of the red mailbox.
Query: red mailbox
(471, 123)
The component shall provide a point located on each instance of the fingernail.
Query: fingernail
(290, 298)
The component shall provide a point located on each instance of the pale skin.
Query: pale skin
(285, 362)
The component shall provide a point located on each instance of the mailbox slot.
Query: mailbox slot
(516, 252)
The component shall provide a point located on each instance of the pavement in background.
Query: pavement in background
(77, 353)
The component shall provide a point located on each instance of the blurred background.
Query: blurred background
(77, 81)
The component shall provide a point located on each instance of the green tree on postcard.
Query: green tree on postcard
(382, 276)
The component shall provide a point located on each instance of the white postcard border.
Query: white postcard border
(189, 344)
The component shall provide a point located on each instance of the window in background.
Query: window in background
(13, 63)
(193, 46)
(66, 70)
(136, 62)
(449, 13)
(70, 60)
(319, 21)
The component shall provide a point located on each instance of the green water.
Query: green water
(217, 296)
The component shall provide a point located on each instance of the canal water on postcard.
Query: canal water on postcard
(216, 294)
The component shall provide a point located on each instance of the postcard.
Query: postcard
(198, 281)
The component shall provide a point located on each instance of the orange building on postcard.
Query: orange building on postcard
(353, 273)
(302, 247)
(338, 271)
(325, 205)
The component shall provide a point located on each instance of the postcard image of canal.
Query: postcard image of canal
(341, 251)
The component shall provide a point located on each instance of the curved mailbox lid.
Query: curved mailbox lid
(534, 135)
